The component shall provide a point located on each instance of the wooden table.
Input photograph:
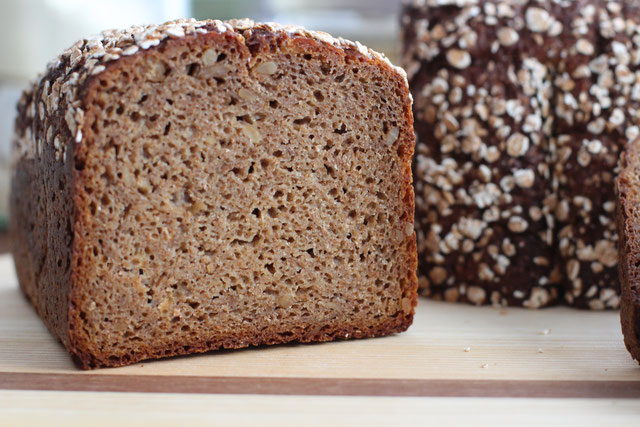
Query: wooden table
(456, 364)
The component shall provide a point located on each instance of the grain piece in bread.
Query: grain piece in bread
(201, 185)
(481, 170)
(628, 221)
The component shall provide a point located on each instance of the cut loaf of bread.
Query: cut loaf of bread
(628, 191)
(200, 185)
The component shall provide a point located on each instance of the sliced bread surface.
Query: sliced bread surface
(203, 185)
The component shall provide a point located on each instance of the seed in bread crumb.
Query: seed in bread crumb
(392, 136)
(540, 350)
(267, 68)
(247, 95)
(252, 133)
(467, 349)
(210, 57)
(407, 305)
(408, 228)
(285, 300)
(546, 331)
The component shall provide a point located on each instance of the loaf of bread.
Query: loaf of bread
(199, 185)
(628, 186)
(521, 109)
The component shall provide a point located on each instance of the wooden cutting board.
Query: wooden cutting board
(471, 360)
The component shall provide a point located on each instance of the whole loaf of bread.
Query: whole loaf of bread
(522, 108)
(198, 185)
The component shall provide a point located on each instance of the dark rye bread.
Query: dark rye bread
(595, 117)
(628, 192)
(479, 185)
(203, 185)
(486, 75)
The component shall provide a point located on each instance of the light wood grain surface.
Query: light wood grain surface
(574, 355)
(119, 409)
(579, 345)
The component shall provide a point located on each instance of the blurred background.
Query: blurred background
(32, 32)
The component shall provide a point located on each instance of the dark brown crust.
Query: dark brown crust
(86, 360)
(481, 276)
(628, 189)
(41, 224)
(70, 326)
(576, 47)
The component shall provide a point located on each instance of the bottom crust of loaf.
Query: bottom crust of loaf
(325, 334)
(630, 321)
(85, 359)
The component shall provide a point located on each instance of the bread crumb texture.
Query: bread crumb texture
(522, 108)
(202, 184)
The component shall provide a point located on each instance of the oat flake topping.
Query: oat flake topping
(521, 109)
